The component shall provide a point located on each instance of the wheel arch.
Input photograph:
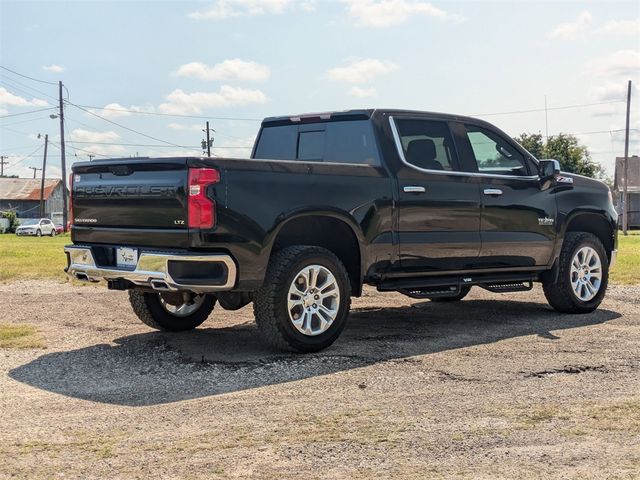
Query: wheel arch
(333, 231)
(595, 223)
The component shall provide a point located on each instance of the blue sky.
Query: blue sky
(254, 58)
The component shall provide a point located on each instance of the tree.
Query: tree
(566, 148)
(13, 220)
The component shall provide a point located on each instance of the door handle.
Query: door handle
(492, 191)
(414, 189)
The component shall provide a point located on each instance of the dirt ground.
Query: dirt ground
(495, 386)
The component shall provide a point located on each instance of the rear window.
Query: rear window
(341, 142)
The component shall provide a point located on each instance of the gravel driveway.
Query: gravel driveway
(495, 386)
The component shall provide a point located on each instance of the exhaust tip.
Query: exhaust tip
(82, 277)
(160, 285)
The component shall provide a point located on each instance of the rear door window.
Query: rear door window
(427, 144)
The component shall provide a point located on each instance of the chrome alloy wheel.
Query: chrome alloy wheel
(189, 305)
(586, 273)
(314, 300)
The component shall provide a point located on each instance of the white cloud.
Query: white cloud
(182, 103)
(223, 9)
(3, 111)
(362, 92)
(8, 98)
(241, 147)
(613, 91)
(619, 64)
(234, 69)
(573, 29)
(185, 128)
(361, 71)
(386, 13)
(82, 135)
(53, 68)
(621, 27)
(115, 110)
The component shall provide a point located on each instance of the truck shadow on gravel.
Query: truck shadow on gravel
(155, 368)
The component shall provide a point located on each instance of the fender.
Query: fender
(565, 221)
(337, 214)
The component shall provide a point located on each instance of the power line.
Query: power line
(124, 110)
(565, 107)
(26, 76)
(80, 149)
(27, 157)
(124, 127)
(27, 113)
(13, 82)
(23, 121)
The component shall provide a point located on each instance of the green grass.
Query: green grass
(627, 268)
(33, 258)
(20, 336)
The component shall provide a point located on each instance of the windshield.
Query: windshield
(33, 221)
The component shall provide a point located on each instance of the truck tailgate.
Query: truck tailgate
(121, 195)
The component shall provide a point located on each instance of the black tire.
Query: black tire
(270, 302)
(53, 232)
(38, 233)
(559, 292)
(464, 291)
(148, 308)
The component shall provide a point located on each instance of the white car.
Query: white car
(37, 227)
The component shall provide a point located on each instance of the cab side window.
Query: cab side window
(493, 154)
(427, 144)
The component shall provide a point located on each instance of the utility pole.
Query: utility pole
(3, 162)
(44, 169)
(35, 169)
(63, 161)
(546, 121)
(206, 144)
(625, 195)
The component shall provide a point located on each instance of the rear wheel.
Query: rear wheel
(53, 232)
(583, 274)
(304, 302)
(464, 291)
(174, 312)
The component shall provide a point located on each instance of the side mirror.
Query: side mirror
(548, 169)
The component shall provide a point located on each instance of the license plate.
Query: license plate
(126, 257)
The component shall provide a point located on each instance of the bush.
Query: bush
(13, 221)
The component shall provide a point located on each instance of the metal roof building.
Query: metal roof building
(22, 195)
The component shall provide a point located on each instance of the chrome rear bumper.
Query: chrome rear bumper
(152, 270)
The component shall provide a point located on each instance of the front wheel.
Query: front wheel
(583, 274)
(173, 312)
(53, 232)
(304, 302)
(38, 233)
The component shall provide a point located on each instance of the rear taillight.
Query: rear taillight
(202, 210)
(67, 227)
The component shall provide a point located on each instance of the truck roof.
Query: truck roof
(356, 114)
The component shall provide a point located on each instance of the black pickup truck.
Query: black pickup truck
(425, 204)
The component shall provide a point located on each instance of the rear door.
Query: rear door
(518, 217)
(438, 206)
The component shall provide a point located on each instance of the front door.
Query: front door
(438, 206)
(518, 217)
